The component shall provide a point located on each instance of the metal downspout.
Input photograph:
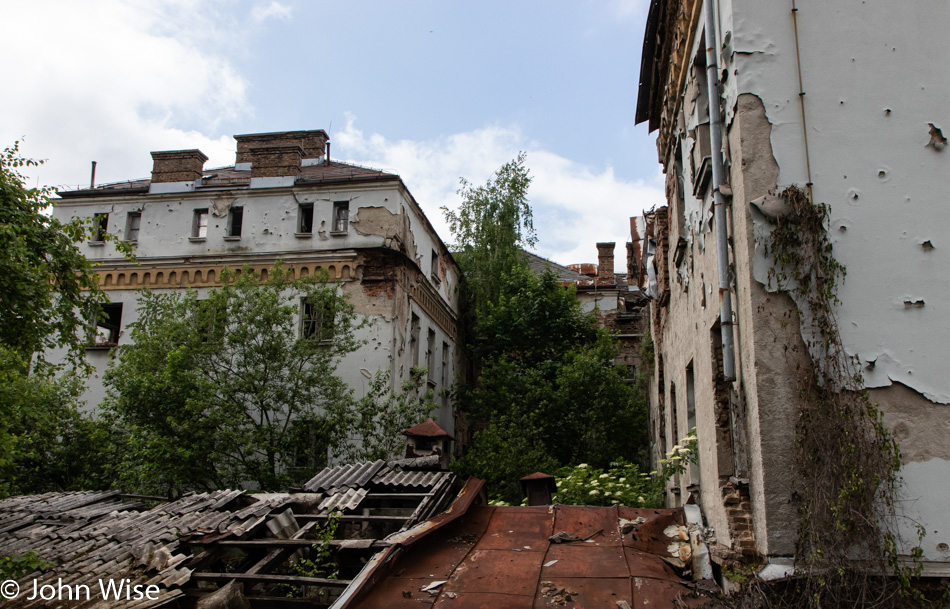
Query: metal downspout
(719, 201)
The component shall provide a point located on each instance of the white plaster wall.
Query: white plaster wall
(874, 77)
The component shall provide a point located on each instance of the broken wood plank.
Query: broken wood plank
(276, 579)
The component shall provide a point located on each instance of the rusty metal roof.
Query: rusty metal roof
(503, 557)
(428, 429)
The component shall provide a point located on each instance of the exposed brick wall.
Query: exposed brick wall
(313, 143)
(276, 161)
(177, 165)
(739, 515)
(605, 262)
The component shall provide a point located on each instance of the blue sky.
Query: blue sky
(432, 90)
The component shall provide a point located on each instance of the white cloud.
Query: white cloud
(274, 9)
(110, 80)
(574, 206)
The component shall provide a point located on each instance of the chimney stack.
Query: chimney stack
(172, 166)
(539, 488)
(605, 262)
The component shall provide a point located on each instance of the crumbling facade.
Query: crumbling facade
(845, 103)
(284, 199)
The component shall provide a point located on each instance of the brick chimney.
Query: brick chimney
(605, 262)
(177, 166)
(312, 143)
(281, 161)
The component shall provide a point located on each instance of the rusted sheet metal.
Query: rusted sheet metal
(505, 571)
(344, 476)
(595, 524)
(464, 500)
(522, 528)
(508, 561)
(648, 536)
(585, 592)
(580, 559)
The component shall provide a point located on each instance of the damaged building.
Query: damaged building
(285, 200)
(842, 102)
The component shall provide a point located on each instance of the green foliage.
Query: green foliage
(548, 389)
(490, 228)
(216, 392)
(679, 458)
(621, 483)
(48, 290)
(18, 565)
(377, 420)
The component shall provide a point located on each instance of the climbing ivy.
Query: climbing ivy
(847, 459)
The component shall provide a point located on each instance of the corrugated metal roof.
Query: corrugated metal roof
(502, 557)
(395, 478)
(348, 499)
(337, 477)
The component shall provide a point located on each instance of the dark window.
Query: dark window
(430, 355)
(100, 225)
(317, 320)
(435, 266)
(108, 324)
(199, 228)
(305, 224)
(235, 221)
(414, 341)
(132, 225)
(341, 216)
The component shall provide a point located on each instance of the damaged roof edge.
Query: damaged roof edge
(645, 92)
(377, 568)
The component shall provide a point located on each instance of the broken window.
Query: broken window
(414, 341)
(199, 227)
(100, 225)
(235, 221)
(341, 216)
(317, 320)
(132, 224)
(445, 374)
(435, 267)
(305, 219)
(105, 333)
(430, 355)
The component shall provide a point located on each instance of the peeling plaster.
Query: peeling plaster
(869, 164)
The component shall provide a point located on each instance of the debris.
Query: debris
(563, 537)
(628, 526)
(433, 585)
(549, 563)
(558, 596)
(623, 605)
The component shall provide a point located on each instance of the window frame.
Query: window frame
(235, 212)
(313, 321)
(100, 223)
(341, 218)
(111, 324)
(304, 210)
(133, 217)
(196, 226)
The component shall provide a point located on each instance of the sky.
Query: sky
(433, 90)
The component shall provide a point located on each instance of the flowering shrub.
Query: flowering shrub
(621, 484)
(679, 458)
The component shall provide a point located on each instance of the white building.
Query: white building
(284, 199)
(847, 101)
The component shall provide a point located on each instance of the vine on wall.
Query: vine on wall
(848, 460)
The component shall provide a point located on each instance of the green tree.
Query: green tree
(548, 388)
(377, 420)
(490, 228)
(49, 296)
(217, 392)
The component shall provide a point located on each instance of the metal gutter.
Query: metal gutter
(719, 200)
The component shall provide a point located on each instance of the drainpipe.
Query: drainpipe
(719, 201)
